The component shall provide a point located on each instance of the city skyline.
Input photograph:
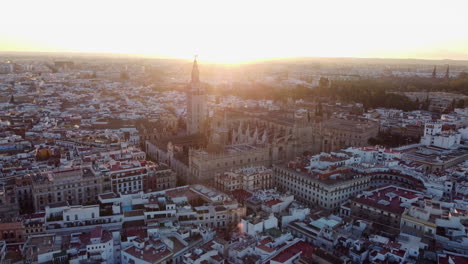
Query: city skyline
(215, 132)
(240, 32)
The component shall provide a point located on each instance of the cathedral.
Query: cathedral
(230, 138)
(234, 138)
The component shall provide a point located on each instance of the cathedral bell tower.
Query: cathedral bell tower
(196, 103)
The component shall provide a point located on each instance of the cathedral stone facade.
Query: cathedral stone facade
(236, 138)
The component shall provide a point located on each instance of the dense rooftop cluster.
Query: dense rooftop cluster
(104, 162)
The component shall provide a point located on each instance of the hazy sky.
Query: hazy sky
(238, 30)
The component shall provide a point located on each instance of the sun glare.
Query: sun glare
(241, 31)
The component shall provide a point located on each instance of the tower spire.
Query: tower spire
(195, 72)
(434, 73)
(197, 113)
(447, 73)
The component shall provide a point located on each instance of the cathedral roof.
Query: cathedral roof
(187, 140)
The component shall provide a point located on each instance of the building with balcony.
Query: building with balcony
(128, 177)
(248, 178)
(76, 185)
(324, 188)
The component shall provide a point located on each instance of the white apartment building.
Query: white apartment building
(255, 224)
(61, 215)
(434, 136)
(96, 246)
(375, 154)
(327, 189)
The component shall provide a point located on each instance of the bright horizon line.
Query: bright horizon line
(236, 32)
(265, 59)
